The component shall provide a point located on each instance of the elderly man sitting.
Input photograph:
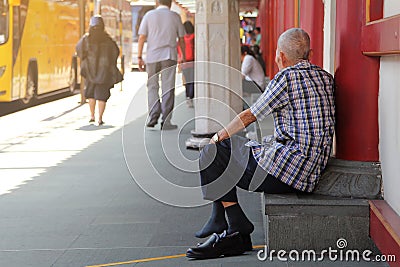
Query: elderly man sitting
(300, 97)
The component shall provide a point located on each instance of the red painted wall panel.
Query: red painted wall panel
(376, 9)
(357, 81)
(267, 13)
(312, 21)
(262, 22)
(276, 16)
(382, 37)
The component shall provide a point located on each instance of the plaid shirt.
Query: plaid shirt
(301, 100)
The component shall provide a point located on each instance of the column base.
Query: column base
(196, 143)
(198, 140)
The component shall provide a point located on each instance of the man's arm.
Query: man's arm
(182, 46)
(241, 121)
(80, 47)
(142, 39)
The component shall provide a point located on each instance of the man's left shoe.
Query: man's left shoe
(168, 126)
(218, 245)
(248, 245)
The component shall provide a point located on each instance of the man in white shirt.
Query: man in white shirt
(161, 28)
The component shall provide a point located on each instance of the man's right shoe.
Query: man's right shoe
(151, 124)
(248, 245)
(218, 245)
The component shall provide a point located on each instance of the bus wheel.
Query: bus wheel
(73, 78)
(31, 86)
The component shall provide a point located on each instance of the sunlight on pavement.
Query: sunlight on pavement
(44, 136)
(13, 178)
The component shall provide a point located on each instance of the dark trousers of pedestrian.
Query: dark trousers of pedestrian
(167, 70)
(230, 164)
(188, 73)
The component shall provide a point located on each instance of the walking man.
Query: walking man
(161, 28)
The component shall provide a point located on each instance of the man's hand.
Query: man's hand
(141, 64)
(241, 121)
(216, 137)
(142, 39)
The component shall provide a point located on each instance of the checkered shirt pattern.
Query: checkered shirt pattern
(301, 100)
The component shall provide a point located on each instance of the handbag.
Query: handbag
(84, 68)
(84, 61)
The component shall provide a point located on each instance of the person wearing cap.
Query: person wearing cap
(161, 28)
(98, 53)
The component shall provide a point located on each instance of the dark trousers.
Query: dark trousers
(167, 70)
(229, 164)
(188, 73)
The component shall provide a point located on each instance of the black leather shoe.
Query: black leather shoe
(168, 126)
(248, 245)
(218, 245)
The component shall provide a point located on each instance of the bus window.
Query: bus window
(3, 21)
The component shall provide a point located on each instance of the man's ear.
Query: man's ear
(283, 58)
(310, 54)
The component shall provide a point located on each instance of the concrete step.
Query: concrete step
(316, 222)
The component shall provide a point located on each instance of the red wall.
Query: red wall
(276, 16)
(312, 21)
(357, 85)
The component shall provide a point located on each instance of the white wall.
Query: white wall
(389, 127)
(391, 8)
(389, 118)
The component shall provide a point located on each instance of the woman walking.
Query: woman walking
(98, 54)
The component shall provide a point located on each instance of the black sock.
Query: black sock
(217, 222)
(237, 220)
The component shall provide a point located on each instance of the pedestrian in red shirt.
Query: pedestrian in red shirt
(188, 67)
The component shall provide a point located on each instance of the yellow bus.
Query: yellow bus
(37, 47)
(38, 38)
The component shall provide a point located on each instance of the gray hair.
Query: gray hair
(295, 44)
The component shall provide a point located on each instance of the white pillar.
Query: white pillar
(218, 87)
(329, 43)
(329, 35)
